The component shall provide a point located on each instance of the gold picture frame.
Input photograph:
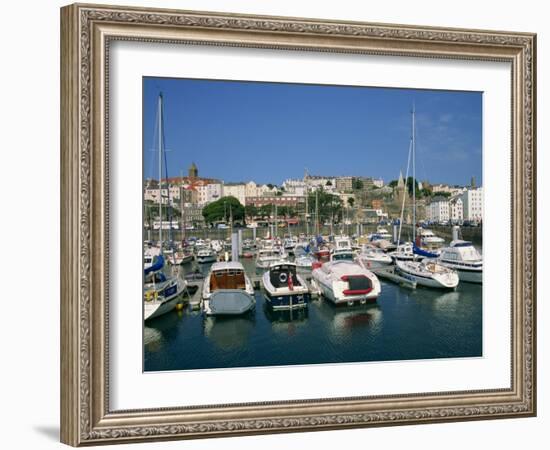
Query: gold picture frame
(86, 33)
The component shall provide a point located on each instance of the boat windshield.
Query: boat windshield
(342, 257)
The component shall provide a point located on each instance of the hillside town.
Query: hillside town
(334, 199)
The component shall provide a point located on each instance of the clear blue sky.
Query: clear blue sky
(268, 132)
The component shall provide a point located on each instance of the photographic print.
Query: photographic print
(290, 224)
(305, 202)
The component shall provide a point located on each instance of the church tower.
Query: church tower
(401, 190)
(193, 171)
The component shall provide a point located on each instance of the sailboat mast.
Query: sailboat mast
(307, 208)
(414, 172)
(317, 211)
(160, 166)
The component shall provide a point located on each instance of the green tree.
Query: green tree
(152, 210)
(222, 209)
(357, 184)
(418, 192)
(351, 202)
(328, 183)
(330, 206)
(251, 211)
(265, 210)
(393, 183)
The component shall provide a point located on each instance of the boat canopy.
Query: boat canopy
(157, 265)
(424, 253)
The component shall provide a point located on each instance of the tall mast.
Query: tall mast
(317, 211)
(182, 192)
(307, 209)
(160, 166)
(276, 221)
(414, 173)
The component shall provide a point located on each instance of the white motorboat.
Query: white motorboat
(217, 245)
(302, 258)
(149, 256)
(227, 290)
(404, 252)
(428, 273)
(290, 243)
(206, 255)
(465, 259)
(343, 281)
(284, 288)
(428, 238)
(180, 257)
(381, 233)
(372, 257)
(341, 243)
(267, 256)
(383, 244)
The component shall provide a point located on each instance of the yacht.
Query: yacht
(150, 256)
(227, 290)
(404, 252)
(343, 281)
(427, 273)
(161, 294)
(180, 257)
(206, 255)
(465, 259)
(284, 288)
(428, 238)
(384, 244)
(382, 233)
(289, 244)
(216, 245)
(268, 255)
(302, 258)
(372, 257)
(341, 243)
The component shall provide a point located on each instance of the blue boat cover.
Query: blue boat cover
(230, 302)
(424, 253)
(158, 263)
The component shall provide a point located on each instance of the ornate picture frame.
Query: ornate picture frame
(86, 34)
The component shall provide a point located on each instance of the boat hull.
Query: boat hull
(470, 276)
(431, 282)
(206, 259)
(281, 302)
(155, 309)
(370, 263)
(329, 294)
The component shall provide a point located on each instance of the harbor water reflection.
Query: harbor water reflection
(403, 324)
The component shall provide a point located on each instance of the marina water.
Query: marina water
(403, 324)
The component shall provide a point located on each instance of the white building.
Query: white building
(295, 187)
(237, 190)
(456, 210)
(378, 182)
(316, 182)
(154, 195)
(445, 188)
(438, 210)
(257, 190)
(472, 203)
(208, 192)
